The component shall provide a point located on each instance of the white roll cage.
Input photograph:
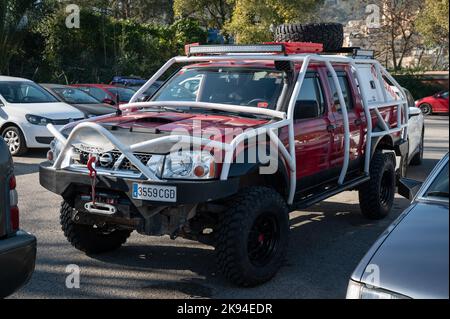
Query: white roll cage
(283, 118)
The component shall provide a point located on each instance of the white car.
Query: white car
(25, 110)
(416, 131)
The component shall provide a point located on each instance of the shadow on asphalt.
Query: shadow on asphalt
(25, 168)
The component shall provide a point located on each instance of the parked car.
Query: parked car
(410, 259)
(148, 93)
(107, 93)
(79, 99)
(17, 247)
(146, 183)
(25, 110)
(127, 81)
(416, 134)
(437, 103)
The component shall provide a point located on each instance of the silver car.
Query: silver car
(411, 258)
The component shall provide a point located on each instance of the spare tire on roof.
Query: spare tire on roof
(331, 35)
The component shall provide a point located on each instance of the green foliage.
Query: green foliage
(252, 19)
(13, 26)
(211, 13)
(102, 47)
(433, 22)
(413, 80)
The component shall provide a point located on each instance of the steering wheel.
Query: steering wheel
(255, 102)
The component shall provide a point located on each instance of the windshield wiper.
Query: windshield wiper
(242, 114)
(161, 108)
(438, 194)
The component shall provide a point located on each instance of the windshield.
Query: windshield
(439, 187)
(75, 96)
(25, 92)
(237, 86)
(125, 94)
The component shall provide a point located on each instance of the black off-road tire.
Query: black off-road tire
(241, 261)
(331, 35)
(376, 196)
(418, 157)
(87, 238)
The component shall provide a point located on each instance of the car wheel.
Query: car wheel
(252, 237)
(16, 141)
(87, 238)
(418, 158)
(376, 196)
(426, 109)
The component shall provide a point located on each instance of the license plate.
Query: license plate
(154, 192)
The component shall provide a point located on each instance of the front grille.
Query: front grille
(65, 121)
(109, 159)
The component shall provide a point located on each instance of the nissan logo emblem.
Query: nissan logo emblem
(106, 159)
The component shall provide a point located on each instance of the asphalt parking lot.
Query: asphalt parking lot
(327, 241)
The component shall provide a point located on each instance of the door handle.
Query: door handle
(358, 122)
(331, 128)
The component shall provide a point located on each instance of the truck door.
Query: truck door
(312, 132)
(356, 118)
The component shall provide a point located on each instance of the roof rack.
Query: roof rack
(285, 48)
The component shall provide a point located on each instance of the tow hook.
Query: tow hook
(100, 208)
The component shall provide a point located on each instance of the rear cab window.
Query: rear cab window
(346, 91)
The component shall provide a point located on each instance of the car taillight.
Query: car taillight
(13, 201)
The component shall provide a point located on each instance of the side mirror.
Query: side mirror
(109, 101)
(414, 111)
(306, 109)
(408, 187)
(437, 95)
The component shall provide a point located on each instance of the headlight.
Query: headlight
(189, 165)
(38, 120)
(357, 290)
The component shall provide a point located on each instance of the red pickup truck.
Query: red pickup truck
(237, 138)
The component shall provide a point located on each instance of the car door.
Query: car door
(356, 120)
(443, 102)
(5, 170)
(313, 137)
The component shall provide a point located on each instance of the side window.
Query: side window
(97, 93)
(310, 101)
(346, 91)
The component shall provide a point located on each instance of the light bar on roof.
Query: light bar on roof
(363, 54)
(222, 49)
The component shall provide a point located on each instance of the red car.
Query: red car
(437, 103)
(107, 93)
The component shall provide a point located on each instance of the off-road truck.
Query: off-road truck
(197, 159)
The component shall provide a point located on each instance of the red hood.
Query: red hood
(170, 121)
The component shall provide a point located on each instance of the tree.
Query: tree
(13, 23)
(211, 13)
(397, 36)
(433, 22)
(252, 20)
